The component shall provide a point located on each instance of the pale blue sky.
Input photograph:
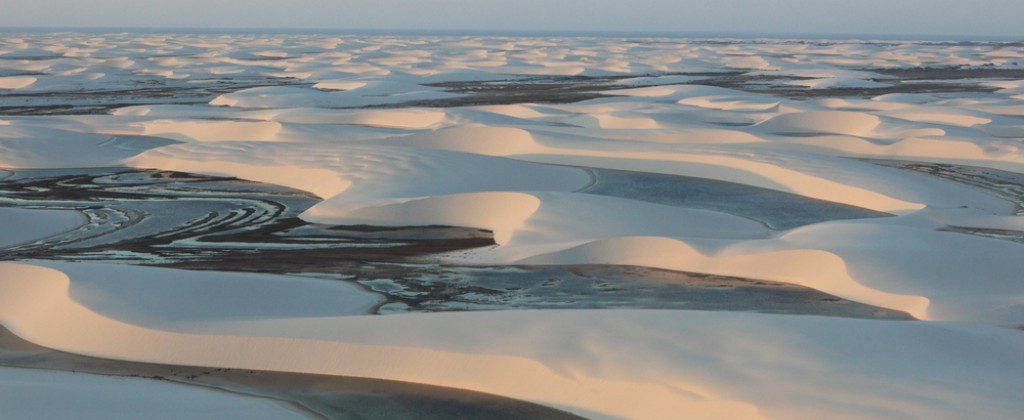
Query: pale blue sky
(896, 17)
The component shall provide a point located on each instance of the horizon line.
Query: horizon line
(515, 32)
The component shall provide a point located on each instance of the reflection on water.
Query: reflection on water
(777, 210)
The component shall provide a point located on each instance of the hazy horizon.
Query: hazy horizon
(512, 33)
(905, 18)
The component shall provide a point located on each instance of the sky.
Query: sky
(977, 18)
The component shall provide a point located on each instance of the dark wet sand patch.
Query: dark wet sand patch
(318, 396)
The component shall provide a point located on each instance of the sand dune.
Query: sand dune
(940, 117)
(920, 149)
(500, 212)
(818, 269)
(814, 122)
(214, 130)
(16, 82)
(339, 84)
(729, 103)
(171, 299)
(476, 138)
(602, 364)
(41, 147)
(402, 119)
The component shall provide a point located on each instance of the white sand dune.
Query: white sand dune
(291, 97)
(476, 138)
(730, 103)
(402, 119)
(821, 270)
(213, 130)
(41, 147)
(500, 212)
(814, 122)
(332, 116)
(339, 84)
(604, 364)
(933, 264)
(747, 62)
(947, 117)
(877, 103)
(530, 223)
(608, 121)
(272, 97)
(917, 270)
(819, 78)
(366, 174)
(16, 82)
(729, 167)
